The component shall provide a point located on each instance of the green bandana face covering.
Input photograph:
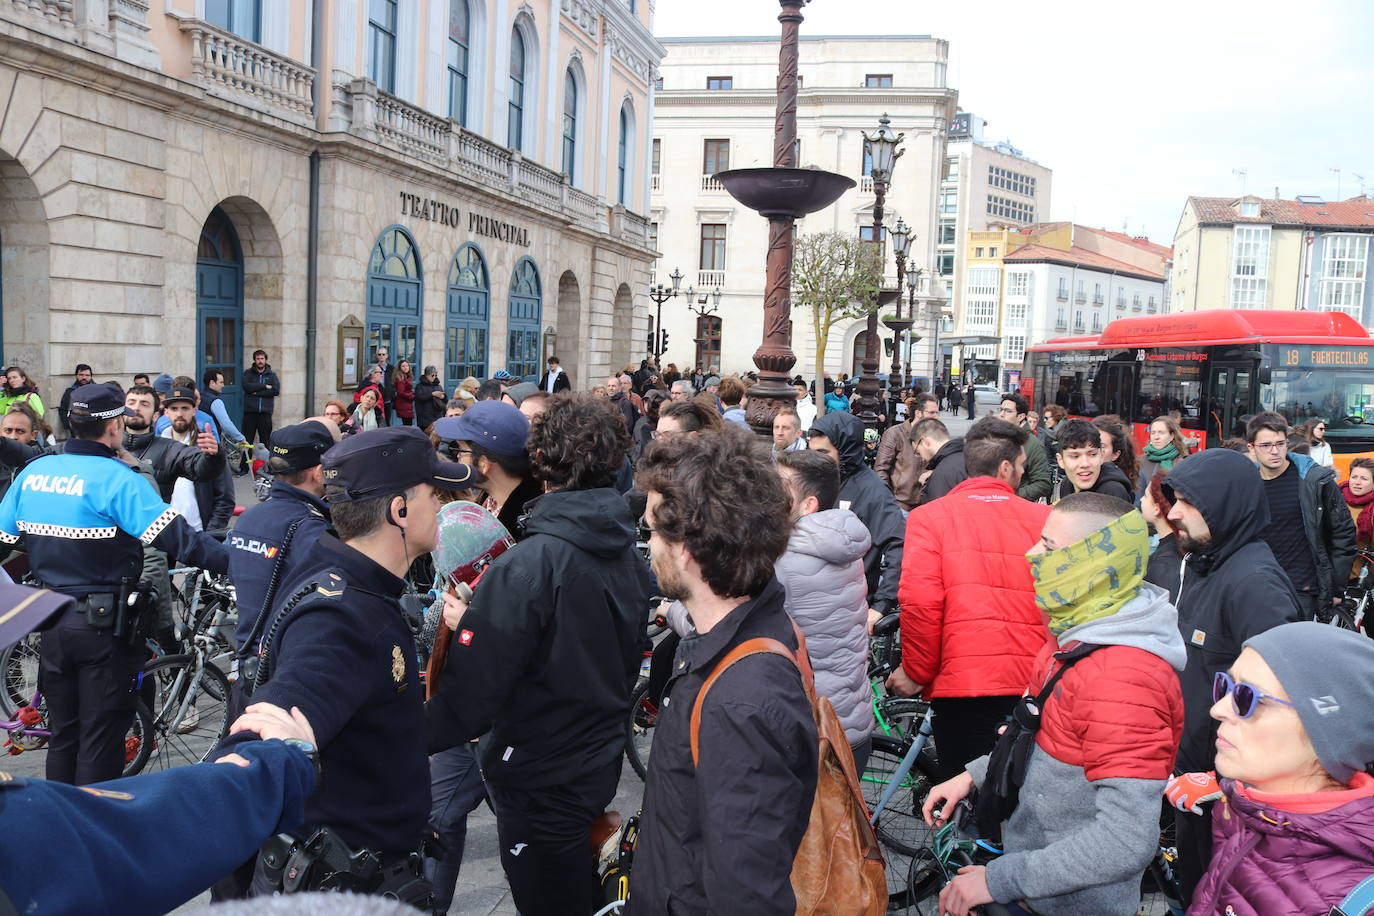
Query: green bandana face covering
(1093, 578)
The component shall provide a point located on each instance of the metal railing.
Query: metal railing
(655, 182)
(1080, 296)
(1063, 294)
(1097, 298)
(225, 64)
(1121, 302)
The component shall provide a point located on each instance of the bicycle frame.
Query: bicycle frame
(14, 727)
(923, 734)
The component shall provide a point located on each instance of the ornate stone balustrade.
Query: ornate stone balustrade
(225, 64)
(54, 11)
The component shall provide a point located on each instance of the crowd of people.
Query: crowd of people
(1100, 629)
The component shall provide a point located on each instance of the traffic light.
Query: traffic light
(664, 348)
(649, 341)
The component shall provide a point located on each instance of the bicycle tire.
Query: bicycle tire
(19, 675)
(639, 726)
(900, 827)
(190, 711)
(137, 749)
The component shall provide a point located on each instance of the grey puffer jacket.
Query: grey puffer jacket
(822, 572)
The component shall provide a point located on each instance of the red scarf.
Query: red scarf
(1364, 522)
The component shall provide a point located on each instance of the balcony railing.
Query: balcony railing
(866, 184)
(655, 182)
(228, 66)
(51, 10)
(1152, 308)
(360, 108)
(1078, 328)
(1080, 297)
(1135, 304)
(1061, 323)
(710, 279)
(1063, 294)
(1121, 302)
(1097, 298)
(710, 184)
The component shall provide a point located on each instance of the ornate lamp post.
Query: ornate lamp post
(883, 153)
(913, 279)
(901, 237)
(661, 294)
(703, 307)
(781, 194)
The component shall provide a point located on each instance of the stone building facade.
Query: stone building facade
(318, 179)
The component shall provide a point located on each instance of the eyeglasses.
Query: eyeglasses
(1272, 446)
(1244, 697)
(643, 531)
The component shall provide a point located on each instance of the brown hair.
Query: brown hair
(578, 443)
(1111, 424)
(731, 391)
(1366, 464)
(1269, 420)
(1175, 434)
(1056, 411)
(692, 415)
(722, 499)
(1163, 503)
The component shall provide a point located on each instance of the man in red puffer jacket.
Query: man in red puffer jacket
(970, 627)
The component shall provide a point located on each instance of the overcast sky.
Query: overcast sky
(1134, 106)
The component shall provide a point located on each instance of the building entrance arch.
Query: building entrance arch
(524, 312)
(219, 307)
(25, 322)
(394, 297)
(467, 317)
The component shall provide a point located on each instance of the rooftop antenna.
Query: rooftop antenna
(1338, 182)
(1241, 173)
(1360, 178)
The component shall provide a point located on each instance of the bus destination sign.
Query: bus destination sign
(1326, 357)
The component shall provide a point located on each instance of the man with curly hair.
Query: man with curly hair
(544, 657)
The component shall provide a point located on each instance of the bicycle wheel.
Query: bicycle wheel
(639, 726)
(137, 744)
(900, 826)
(19, 674)
(190, 709)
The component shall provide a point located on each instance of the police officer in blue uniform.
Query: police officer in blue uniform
(269, 539)
(338, 647)
(85, 518)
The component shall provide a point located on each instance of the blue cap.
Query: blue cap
(500, 375)
(302, 445)
(495, 426)
(98, 401)
(385, 462)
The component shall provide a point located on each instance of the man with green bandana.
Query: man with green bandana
(1087, 818)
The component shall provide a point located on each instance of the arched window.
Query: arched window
(524, 312)
(466, 324)
(393, 297)
(219, 305)
(515, 119)
(569, 124)
(459, 33)
(623, 158)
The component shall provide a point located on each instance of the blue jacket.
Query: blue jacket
(140, 845)
(346, 657)
(213, 404)
(86, 517)
(255, 548)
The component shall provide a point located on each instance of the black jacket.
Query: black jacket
(560, 384)
(863, 492)
(946, 469)
(215, 500)
(167, 460)
(64, 407)
(1224, 596)
(550, 646)
(1111, 481)
(627, 410)
(260, 390)
(720, 837)
(1330, 529)
(428, 408)
(346, 657)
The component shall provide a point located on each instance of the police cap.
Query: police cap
(301, 446)
(101, 401)
(384, 462)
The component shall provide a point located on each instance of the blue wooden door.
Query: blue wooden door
(394, 298)
(219, 308)
(524, 313)
(466, 318)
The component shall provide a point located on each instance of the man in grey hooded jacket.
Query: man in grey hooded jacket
(822, 572)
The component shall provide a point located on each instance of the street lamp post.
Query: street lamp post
(901, 244)
(661, 294)
(883, 153)
(913, 278)
(782, 194)
(703, 307)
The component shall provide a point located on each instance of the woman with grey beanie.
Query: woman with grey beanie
(1293, 832)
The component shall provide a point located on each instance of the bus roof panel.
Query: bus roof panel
(1221, 326)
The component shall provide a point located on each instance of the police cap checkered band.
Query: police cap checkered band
(98, 402)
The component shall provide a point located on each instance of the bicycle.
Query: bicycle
(27, 730)
(643, 714)
(1354, 606)
(952, 847)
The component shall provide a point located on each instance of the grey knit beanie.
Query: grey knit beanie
(1328, 674)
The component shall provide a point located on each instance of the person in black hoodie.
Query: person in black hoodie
(1084, 465)
(1230, 588)
(841, 436)
(545, 657)
(944, 458)
(260, 391)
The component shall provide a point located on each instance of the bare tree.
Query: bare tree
(836, 276)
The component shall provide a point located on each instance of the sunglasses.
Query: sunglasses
(642, 530)
(1244, 697)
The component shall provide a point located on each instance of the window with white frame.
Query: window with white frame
(949, 201)
(946, 236)
(1345, 260)
(569, 124)
(983, 281)
(1060, 319)
(1015, 348)
(381, 34)
(1249, 266)
(952, 168)
(1018, 283)
(981, 314)
(1016, 314)
(1063, 288)
(515, 106)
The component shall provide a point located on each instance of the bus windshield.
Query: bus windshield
(1343, 398)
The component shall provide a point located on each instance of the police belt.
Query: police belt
(121, 612)
(323, 862)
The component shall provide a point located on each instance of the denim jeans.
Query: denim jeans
(457, 789)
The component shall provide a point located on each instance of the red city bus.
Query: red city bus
(1215, 369)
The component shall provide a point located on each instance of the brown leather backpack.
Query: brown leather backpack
(839, 867)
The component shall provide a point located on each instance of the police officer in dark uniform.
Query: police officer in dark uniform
(338, 647)
(85, 518)
(269, 539)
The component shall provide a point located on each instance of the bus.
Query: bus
(1214, 370)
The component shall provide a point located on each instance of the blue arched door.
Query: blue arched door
(523, 314)
(467, 317)
(394, 298)
(219, 307)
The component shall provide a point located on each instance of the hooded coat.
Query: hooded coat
(553, 643)
(1271, 862)
(946, 469)
(1233, 590)
(1327, 523)
(827, 595)
(863, 492)
(1087, 822)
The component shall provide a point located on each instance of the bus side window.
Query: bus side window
(1170, 386)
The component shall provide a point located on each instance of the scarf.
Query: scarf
(1364, 522)
(1093, 578)
(1164, 457)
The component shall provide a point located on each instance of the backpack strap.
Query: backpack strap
(1067, 660)
(1358, 902)
(743, 650)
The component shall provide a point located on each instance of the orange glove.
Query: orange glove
(1190, 791)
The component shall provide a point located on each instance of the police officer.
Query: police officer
(269, 539)
(338, 647)
(85, 518)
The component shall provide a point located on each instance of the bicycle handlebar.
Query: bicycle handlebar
(887, 625)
